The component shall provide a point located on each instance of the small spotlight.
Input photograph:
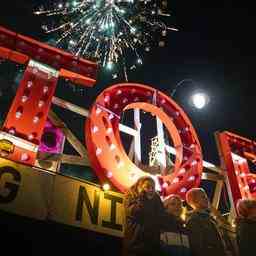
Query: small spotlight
(106, 187)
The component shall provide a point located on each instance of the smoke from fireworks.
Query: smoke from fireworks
(113, 32)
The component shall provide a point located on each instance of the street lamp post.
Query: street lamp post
(179, 84)
(199, 99)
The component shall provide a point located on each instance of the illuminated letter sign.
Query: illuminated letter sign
(235, 151)
(26, 119)
(27, 116)
(107, 154)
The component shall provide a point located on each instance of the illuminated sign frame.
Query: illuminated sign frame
(27, 117)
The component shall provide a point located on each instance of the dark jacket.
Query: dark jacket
(143, 220)
(204, 236)
(174, 238)
(246, 236)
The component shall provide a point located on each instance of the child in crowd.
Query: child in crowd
(174, 238)
(246, 226)
(204, 236)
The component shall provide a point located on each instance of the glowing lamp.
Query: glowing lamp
(106, 187)
(199, 100)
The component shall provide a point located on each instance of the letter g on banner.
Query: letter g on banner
(11, 187)
(107, 155)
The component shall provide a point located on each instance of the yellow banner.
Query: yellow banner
(24, 190)
(39, 194)
(84, 205)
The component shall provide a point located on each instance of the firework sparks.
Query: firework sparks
(113, 32)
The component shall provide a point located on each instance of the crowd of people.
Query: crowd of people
(156, 227)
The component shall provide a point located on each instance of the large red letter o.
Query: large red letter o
(107, 154)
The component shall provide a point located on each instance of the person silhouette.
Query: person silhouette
(144, 213)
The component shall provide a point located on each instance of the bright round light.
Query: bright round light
(199, 100)
(106, 187)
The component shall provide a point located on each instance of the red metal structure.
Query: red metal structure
(22, 49)
(235, 151)
(22, 130)
(105, 147)
(26, 119)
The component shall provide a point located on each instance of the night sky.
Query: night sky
(215, 46)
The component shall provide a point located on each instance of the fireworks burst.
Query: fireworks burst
(113, 32)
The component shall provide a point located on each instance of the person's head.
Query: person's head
(197, 199)
(246, 208)
(145, 185)
(173, 205)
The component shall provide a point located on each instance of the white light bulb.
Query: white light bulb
(24, 157)
(111, 116)
(31, 136)
(98, 111)
(95, 129)
(29, 84)
(40, 103)
(175, 180)
(18, 114)
(112, 146)
(98, 151)
(109, 174)
(12, 131)
(35, 119)
(183, 190)
(191, 178)
(106, 187)
(109, 130)
(24, 98)
(165, 185)
(45, 89)
(199, 100)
